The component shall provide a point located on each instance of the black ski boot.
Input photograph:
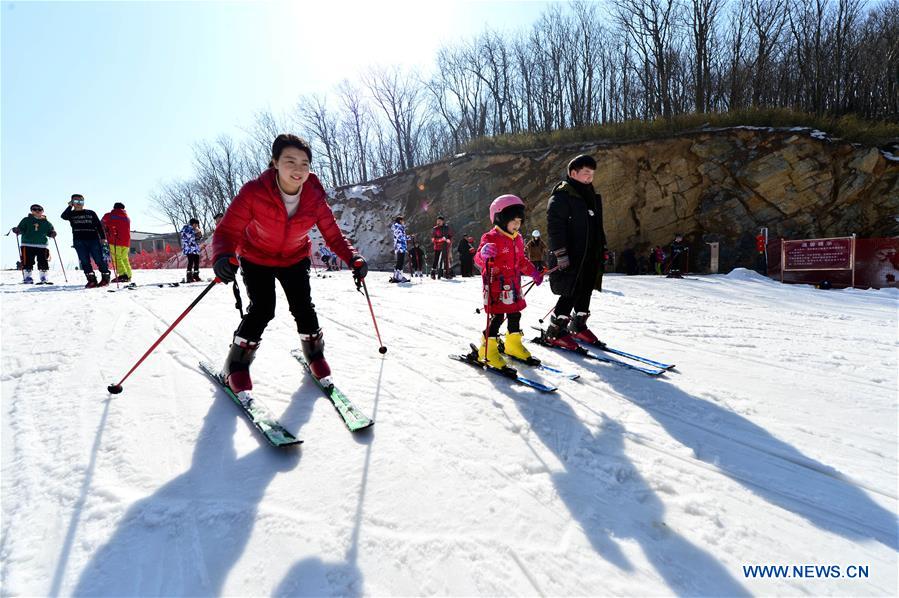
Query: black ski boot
(237, 365)
(313, 346)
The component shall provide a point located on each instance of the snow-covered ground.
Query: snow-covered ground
(774, 443)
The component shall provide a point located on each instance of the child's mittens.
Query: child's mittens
(488, 251)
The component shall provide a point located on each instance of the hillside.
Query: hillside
(710, 185)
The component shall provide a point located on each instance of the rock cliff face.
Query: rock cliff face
(712, 185)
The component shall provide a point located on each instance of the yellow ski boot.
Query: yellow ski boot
(489, 352)
(514, 348)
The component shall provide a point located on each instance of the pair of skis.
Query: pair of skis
(471, 358)
(650, 367)
(645, 365)
(132, 286)
(263, 420)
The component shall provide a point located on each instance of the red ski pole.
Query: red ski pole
(489, 277)
(117, 388)
(530, 285)
(360, 283)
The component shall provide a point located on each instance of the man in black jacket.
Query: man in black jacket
(466, 256)
(88, 238)
(577, 244)
(678, 251)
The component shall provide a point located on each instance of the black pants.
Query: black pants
(579, 300)
(38, 253)
(260, 285)
(466, 264)
(438, 264)
(496, 320)
(193, 262)
(400, 260)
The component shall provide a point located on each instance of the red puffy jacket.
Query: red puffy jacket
(256, 226)
(504, 284)
(118, 227)
(441, 235)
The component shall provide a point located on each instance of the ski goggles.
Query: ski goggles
(36, 208)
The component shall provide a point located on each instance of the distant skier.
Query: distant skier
(416, 258)
(118, 231)
(399, 249)
(89, 240)
(35, 229)
(466, 256)
(327, 257)
(190, 246)
(577, 244)
(267, 226)
(657, 259)
(442, 239)
(502, 260)
(536, 249)
(678, 251)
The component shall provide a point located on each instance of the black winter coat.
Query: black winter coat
(574, 222)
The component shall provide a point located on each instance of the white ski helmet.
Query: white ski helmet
(535, 234)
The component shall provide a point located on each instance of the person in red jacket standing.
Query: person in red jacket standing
(502, 260)
(118, 232)
(442, 239)
(267, 227)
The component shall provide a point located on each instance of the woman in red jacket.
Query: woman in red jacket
(267, 227)
(502, 260)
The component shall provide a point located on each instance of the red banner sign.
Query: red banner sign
(818, 254)
(876, 266)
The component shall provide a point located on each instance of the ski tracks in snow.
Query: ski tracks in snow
(467, 485)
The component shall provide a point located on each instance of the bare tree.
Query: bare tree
(399, 97)
(357, 121)
(650, 25)
(314, 115)
(767, 19)
(703, 21)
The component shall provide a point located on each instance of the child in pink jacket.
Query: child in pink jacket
(502, 259)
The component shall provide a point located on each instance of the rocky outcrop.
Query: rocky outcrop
(710, 185)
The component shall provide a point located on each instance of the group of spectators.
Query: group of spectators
(407, 246)
(97, 240)
(672, 260)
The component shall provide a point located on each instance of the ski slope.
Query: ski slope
(774, 443)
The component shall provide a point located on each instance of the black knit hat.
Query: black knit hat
(118, 206)
(503, 217)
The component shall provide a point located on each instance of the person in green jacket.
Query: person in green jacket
(35, 228)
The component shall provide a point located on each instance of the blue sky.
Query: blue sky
(106, 98)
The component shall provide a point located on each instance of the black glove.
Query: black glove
(52, 234)
(225, 267)
(562, 260)
(359, 265)
(16, 231)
